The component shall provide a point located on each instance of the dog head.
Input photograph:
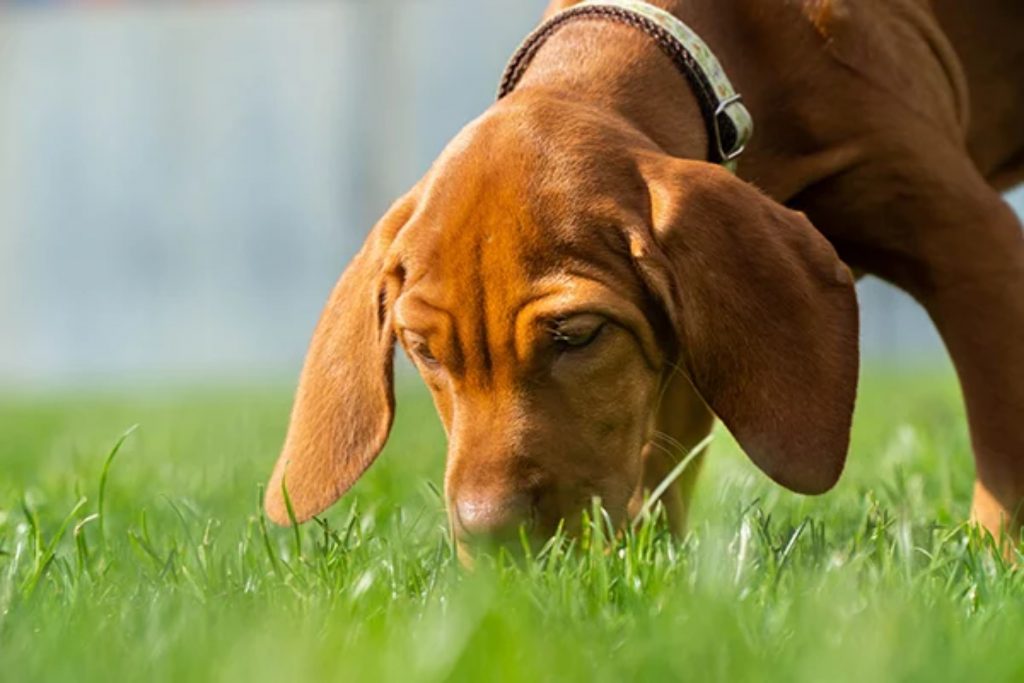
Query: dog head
(548, 275)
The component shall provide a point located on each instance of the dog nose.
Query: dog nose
(492, 519)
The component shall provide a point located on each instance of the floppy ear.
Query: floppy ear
(345, 402)
(765, 314)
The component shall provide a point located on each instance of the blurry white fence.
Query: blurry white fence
(181, 184)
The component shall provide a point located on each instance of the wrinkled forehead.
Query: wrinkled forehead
(521, 198)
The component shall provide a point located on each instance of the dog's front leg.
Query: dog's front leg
(979, 311)
(933, 226)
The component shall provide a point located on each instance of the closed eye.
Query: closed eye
(424, 354)
(577, 333)
(419, 348)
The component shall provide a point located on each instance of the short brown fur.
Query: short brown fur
(578, 208)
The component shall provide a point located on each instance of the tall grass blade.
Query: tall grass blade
(296, 532)
(671, 477)
(104, 476)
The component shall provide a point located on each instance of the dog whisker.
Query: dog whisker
(669, 452)
(669, 439)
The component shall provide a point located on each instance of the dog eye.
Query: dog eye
(570, 337)
(419, 348)
(423, 353)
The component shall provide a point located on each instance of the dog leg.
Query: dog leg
(925, 220)
(980, 315)
(963, 259)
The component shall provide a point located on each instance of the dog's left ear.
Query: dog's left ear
(765, 315)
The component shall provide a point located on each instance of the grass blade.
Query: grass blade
(671, 477)
(104, 475)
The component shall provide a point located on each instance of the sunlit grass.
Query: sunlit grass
(157, 564)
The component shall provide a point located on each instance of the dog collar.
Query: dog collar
(728, 121)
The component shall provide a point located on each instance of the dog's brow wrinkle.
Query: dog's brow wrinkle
(419, 300)
(597, 275)
(480, 285)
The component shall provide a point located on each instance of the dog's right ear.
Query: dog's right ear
(345, 402)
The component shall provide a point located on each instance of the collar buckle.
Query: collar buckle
(728, 155)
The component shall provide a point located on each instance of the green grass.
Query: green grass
(166, 571)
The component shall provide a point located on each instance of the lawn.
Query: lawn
(179, 579)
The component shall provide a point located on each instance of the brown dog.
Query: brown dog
(582, 292)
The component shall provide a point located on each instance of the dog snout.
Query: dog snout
(493, 518)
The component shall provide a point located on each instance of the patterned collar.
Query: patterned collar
(729, 123)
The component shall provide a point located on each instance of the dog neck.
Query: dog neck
(621, 69)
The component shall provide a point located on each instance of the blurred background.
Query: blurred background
(182, 182)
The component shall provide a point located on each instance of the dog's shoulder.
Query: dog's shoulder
(898, 49)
